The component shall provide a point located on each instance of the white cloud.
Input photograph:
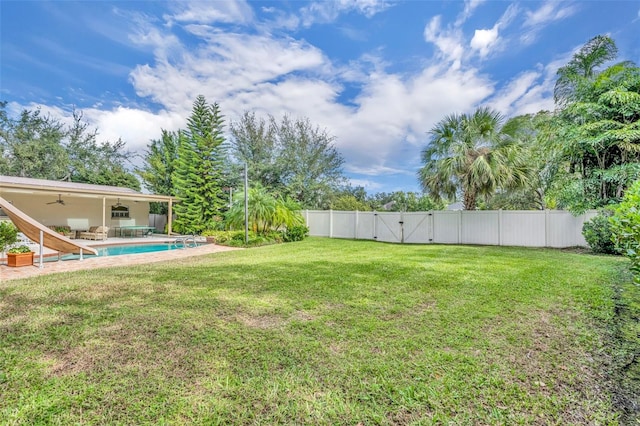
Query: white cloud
(483, 40)
(549, 12)
(469, 7)
(328, 11)
(209, 12)
(486, 41)
(448, 41)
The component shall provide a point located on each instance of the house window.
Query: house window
(119, 211)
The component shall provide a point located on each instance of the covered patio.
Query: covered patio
(77, 207)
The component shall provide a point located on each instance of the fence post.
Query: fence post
(500, 232)
(330, 223)
(459, 226)
(375, 225)
(357, 219)
(546, 228)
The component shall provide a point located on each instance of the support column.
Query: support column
(170, 216)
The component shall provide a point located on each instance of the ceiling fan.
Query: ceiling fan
(58, 201)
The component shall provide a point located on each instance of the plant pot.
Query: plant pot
(20, 259)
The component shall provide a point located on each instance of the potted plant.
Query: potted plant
(20, 256)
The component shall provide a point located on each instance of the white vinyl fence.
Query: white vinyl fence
(535, 228)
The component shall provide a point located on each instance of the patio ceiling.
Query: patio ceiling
(12, 184)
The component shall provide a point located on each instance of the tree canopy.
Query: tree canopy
(38, 146)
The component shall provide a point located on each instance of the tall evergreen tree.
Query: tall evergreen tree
(198, 177)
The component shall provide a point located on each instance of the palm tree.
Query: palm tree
(471, 154)
(581, 70)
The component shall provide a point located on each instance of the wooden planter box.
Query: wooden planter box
(20, 259)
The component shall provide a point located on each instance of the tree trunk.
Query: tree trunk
(469, 200)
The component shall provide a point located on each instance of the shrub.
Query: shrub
(295, 233)
(8, 235)
(599, 234)
(625, 224)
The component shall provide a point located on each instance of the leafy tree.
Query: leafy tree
(347, 202)
(198, 175)
(404, 201)
(538, 149)
(157, 172)
(32, 146)
(254, 142)
(290, 157)
(100, 163)
(39, 146)
(600, 129)
(472, 155)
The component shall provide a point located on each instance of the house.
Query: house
(80, 206)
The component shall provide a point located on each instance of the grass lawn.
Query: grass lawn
(317, 332)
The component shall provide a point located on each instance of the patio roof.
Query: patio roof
(30, 186)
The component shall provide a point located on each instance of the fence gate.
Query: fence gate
(417, 227)
(387, 227)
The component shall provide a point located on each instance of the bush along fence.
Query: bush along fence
(536, 228)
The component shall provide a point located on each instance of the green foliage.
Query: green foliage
(471, 154)
(599, 234)
(295, 233)
(625, 224)
(266, 212)
(8, 235)
(198, 175)
(19, 250)
(39, 146)
(292, 158)
(346, 202)
(157, 172)
(600, 127)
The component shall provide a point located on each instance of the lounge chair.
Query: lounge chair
(95, 233)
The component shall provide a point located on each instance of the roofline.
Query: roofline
(26, 189)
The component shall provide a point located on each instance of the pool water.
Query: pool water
(117, 250)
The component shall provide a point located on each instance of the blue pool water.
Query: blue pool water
(118, 250)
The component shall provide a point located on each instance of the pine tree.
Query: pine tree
(199, 169)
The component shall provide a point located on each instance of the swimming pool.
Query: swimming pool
(118, 250)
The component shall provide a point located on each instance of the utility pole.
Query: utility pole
(246, 204)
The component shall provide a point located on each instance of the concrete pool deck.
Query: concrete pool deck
(51, 267)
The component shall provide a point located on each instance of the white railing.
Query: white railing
(535, 228)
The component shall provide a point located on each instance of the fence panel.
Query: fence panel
(480, 227)
(366, 225)
(523, 228)
(318, 223)
(446, 227)
(565, 230)
(344, 224)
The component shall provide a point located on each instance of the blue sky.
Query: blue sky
(377, 75)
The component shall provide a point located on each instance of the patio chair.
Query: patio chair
(95, 233)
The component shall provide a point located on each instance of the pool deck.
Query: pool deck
(51, 267)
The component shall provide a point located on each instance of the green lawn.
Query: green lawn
(317, 332)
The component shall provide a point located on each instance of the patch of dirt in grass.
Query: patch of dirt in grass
(260, 321)
(268, 321)
(406, 416)
(554, 364)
